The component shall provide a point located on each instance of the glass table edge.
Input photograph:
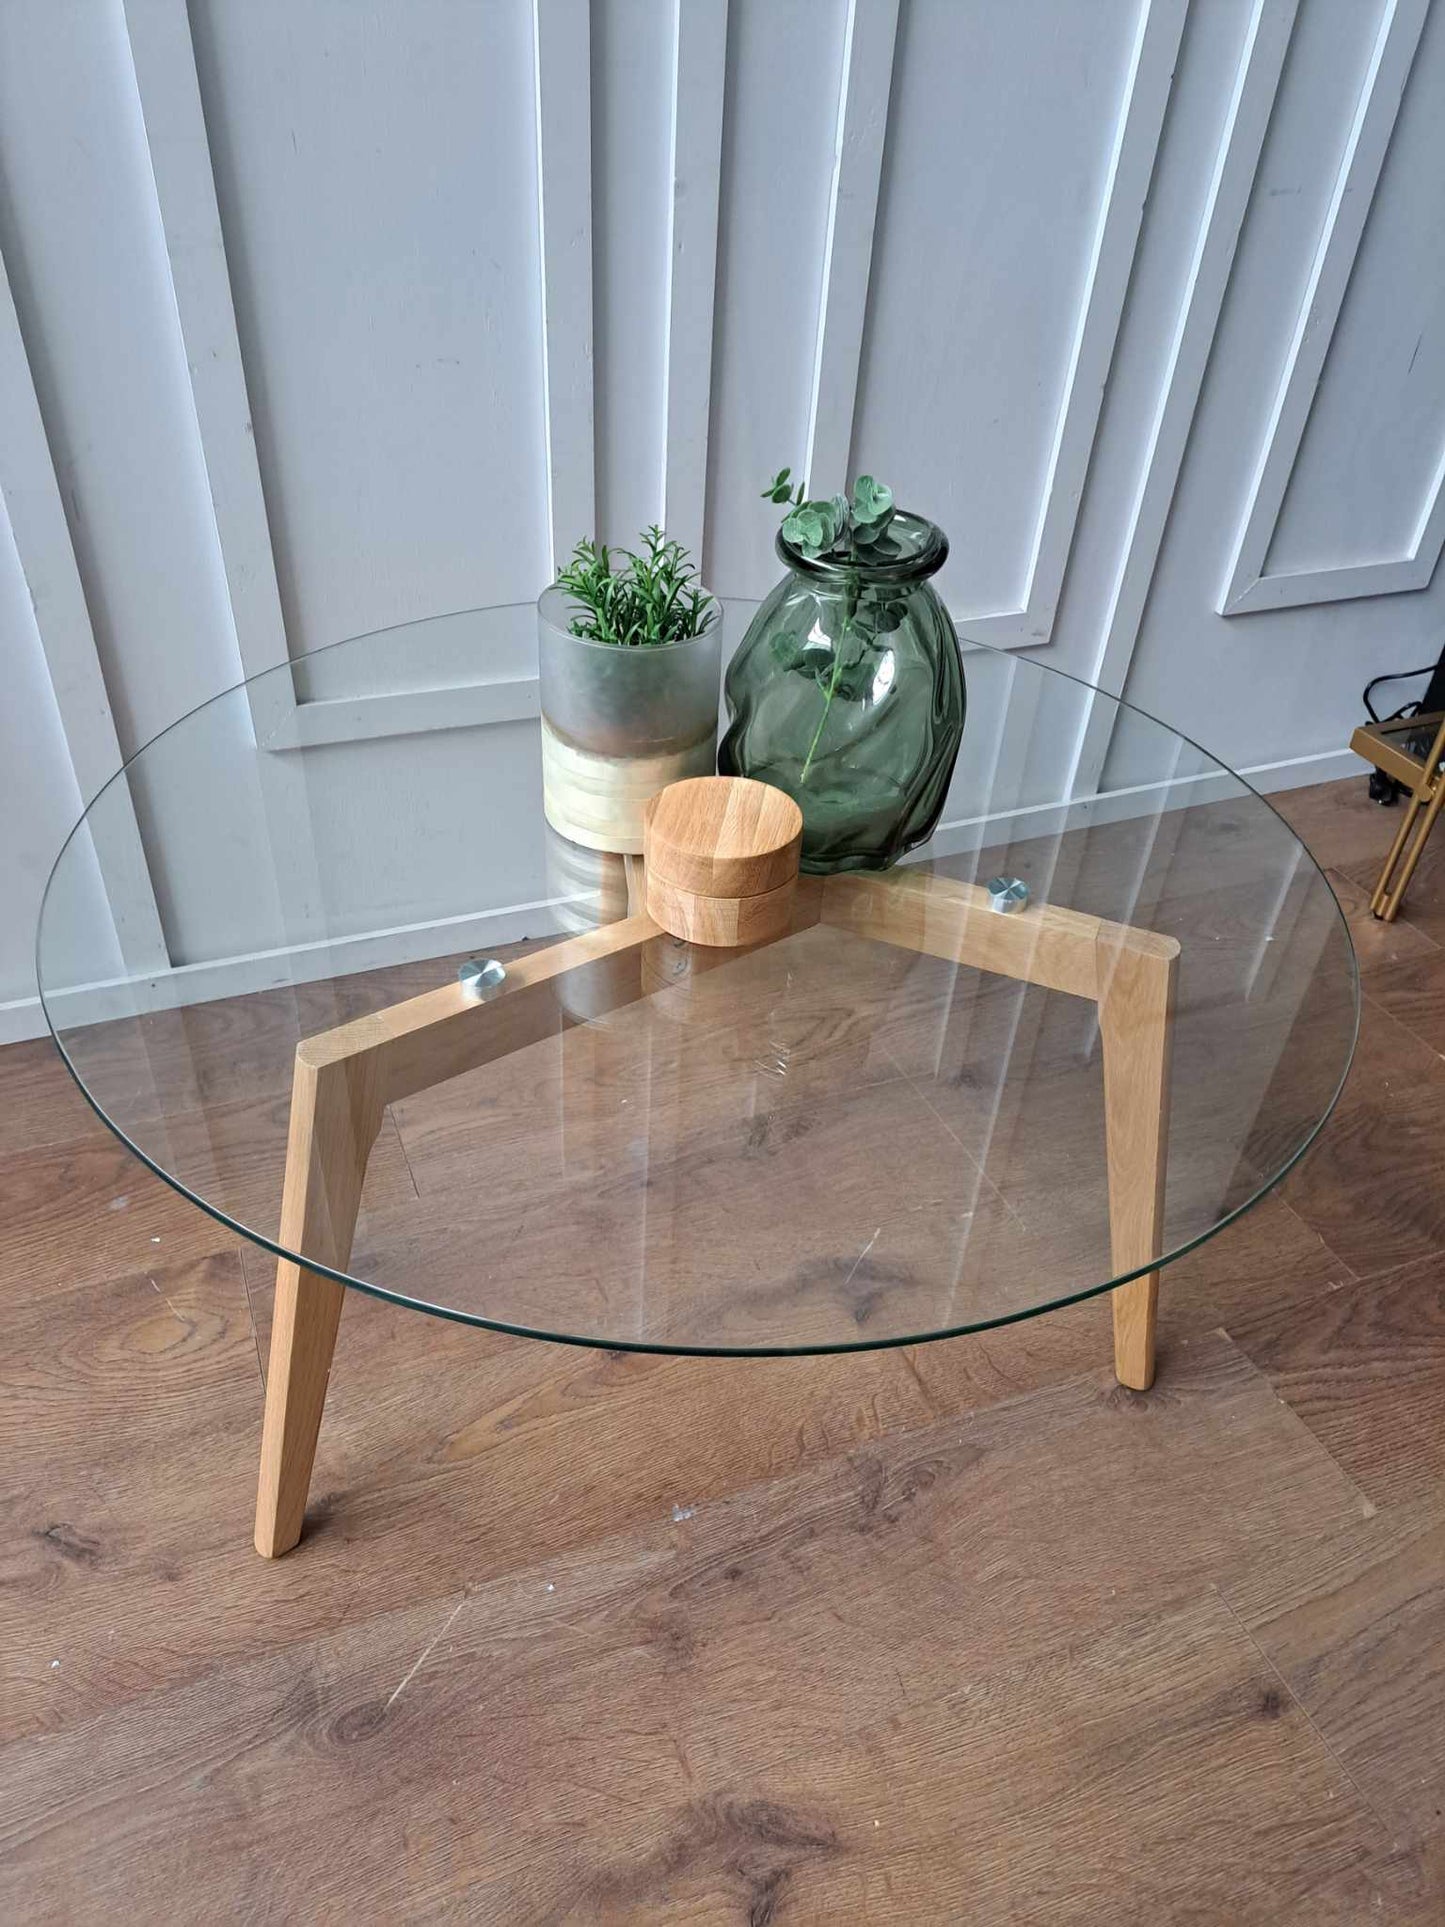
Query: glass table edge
(654, 1348)
(657, 1349)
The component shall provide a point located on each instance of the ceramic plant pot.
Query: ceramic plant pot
(620, 723)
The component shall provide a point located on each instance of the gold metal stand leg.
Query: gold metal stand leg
(1426, 797)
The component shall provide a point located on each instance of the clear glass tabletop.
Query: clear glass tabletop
(828, 1142)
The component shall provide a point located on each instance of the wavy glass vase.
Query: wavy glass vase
(847, 692)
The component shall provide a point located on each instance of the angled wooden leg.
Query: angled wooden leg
(1129, 974)
(345, 1078)
(335, 1115)
(1136, 996)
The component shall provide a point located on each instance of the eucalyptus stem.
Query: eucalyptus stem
(850, 609)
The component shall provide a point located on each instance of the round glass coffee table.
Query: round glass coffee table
(415, 1045)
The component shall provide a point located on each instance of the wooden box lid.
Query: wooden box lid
(722, 836)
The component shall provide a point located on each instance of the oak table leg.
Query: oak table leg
(335, 1116)
(344, 1079)
(1136, 995)
(1129, 975)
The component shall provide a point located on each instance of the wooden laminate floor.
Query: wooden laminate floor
(957, 1634)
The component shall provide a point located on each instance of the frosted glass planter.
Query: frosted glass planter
(619, 724)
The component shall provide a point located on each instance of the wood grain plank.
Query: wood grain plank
(1372, 1186)
(1411, 989)
(1377, 945)
(1364, 1366)
(1424, 904)
(1156, 1773)
(232, 1049)
(129, 1423)
(1337, 822)
(42, 1105)
(706, 1651)
(1355, 1622)
(1400, 1888)
(89, 1208)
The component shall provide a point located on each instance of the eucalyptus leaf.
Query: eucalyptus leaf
(805, 529)
(788, 651)
(872, 502)
(855, 681)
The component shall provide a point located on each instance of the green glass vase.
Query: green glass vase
(847, 692)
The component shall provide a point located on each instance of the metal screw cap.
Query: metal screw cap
(1007, 894)
(481, 974)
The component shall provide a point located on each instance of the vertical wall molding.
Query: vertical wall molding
(1101, 308)
(32, 504)
(1231, 183)
(164, 62)
(562, 75)
(869, 44)
(1246, 586)
(699, 72)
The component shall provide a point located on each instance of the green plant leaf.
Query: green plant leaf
(872, 502)
(812, 528)
(635, 600)
(788, 651)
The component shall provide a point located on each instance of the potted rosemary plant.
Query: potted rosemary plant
(629, 657)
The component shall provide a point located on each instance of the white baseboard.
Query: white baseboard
(413, 943)
(202, 983)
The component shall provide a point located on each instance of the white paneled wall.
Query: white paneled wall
(326, 315)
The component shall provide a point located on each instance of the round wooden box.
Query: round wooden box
(721, 858)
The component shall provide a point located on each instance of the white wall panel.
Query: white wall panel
(1369, 461)
(38, 791)
(969, 365)
(632, 78)
(1221, 102)
(1273, 686)
(1250, 584)
(337, 316)
(375, 172)
(83, 247)
(784, 72)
